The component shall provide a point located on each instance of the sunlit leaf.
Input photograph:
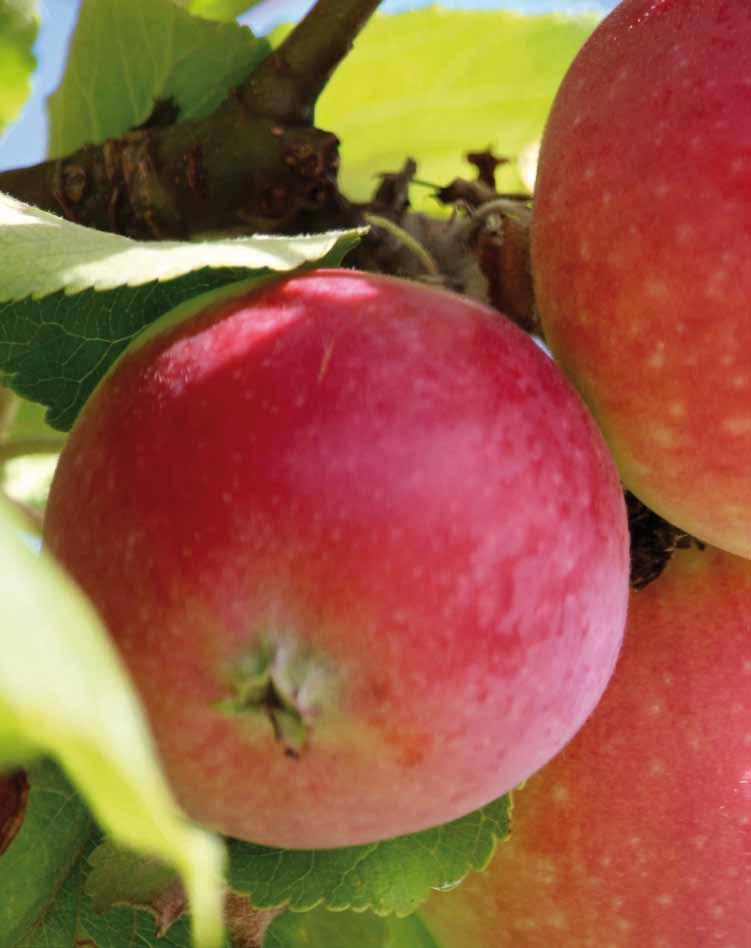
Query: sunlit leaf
(18, 29)
(67, 313)
(322, 929)
(127, 56)
(226, 10)
(434, 84)
(391, 877)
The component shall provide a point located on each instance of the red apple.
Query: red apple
(638, 835)
(640, 241)
(361, 547)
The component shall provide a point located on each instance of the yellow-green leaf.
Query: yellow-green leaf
(18, 28)
(433, 84)
(226, 10)
(128, 55)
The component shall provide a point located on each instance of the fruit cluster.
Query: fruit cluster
(365, 552)
(639, 833)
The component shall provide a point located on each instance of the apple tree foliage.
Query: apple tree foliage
(92, 847)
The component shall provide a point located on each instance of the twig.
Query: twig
(288, 83)
(405, 238)
(504, 206)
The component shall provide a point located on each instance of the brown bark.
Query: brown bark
(234, 172)
(289, 82)
(255, 166)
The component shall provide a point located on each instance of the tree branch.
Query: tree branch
(255, 166)
(233, 172)
(288, 83)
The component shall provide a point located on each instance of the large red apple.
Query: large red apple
(641, 234)
(361, 547)
(638, 835)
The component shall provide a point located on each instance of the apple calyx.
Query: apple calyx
(290, 685)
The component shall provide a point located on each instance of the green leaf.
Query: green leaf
(58, 335)
(74, 920)
(55, 827)
(18, 29)
(76, 258)
(323, 929)
(434, 84)
(64, 693)
(103, 895)
(225, 10)
(124, 56)
(120, 876)
(391, 877)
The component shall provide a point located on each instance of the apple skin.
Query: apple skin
(640, 237)
(390, 488)
(638, 835)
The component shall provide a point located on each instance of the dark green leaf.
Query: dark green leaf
(324, 929)
(391, 877)
(72, 921)
(72, 298)
(64, 693)
(55, 827)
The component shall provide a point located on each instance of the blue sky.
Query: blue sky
(25, 142)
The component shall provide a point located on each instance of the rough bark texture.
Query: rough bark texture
(233, 173)
(257, 165)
